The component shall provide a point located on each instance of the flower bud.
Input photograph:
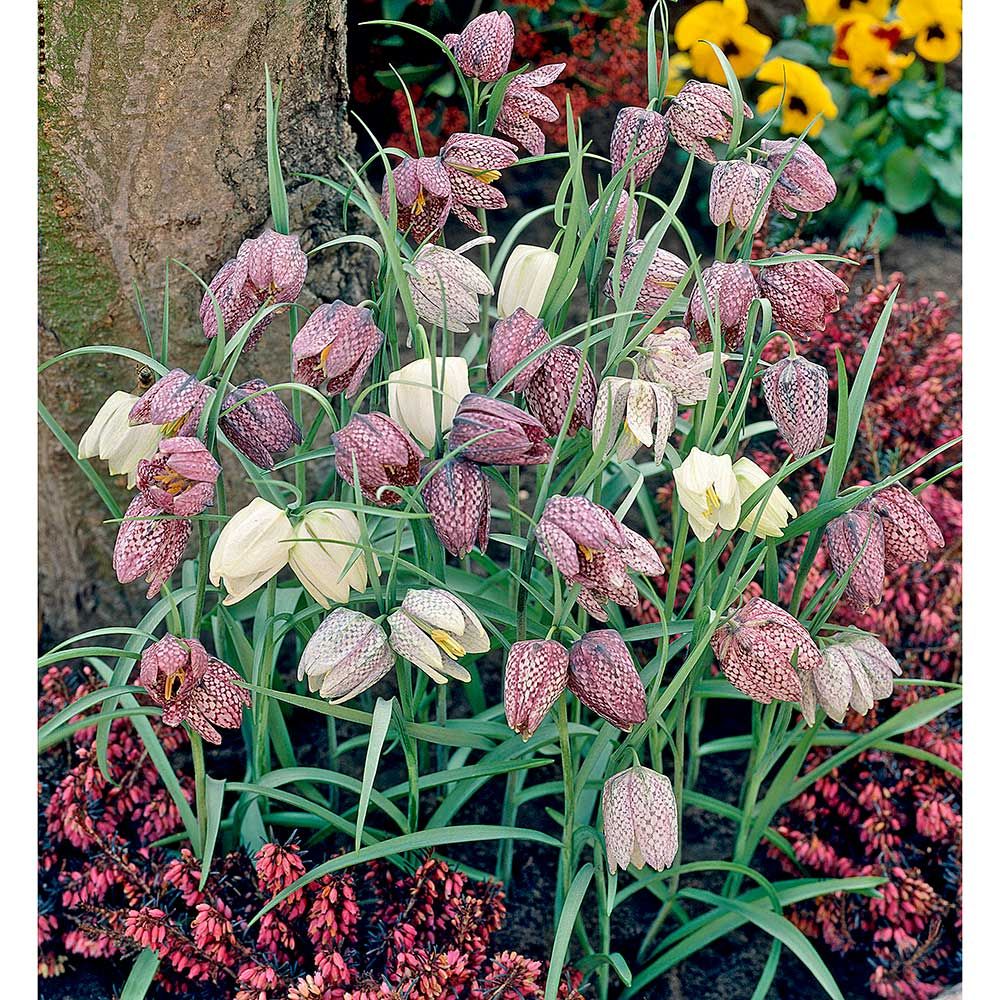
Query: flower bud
(777, 509)
(858, 535)
(805, 184)
(492, 432)
(797, 395)
(457, 496)
(527, 275)
(603, 676)
(707, 489)
(261, 427)
(731, 289)
(640, 135)
(627, 208)
(327, 542)
(736, 193)
(640, 820)
(802, 293)
(910, 531)
(548, 393)
(536, 674)
(111, 438)
(484, 47)
(413, 393)
(699, 112)
(251, 548)
(513, 339)
(336, 347)
(382, 453)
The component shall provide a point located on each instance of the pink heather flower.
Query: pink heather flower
(755, 649)
(336, 347)
(193, 687)
(731, 289)
(805, 184)
(174, 402)
(634, 405)
(858, 533)
(522, 102)
(384, 454)
(736, 192)
(261, 427)
(484, 47)
(603, 676)
(423, 197)
(672, 360)
(641, 133)
(268, 269)
(180, 478)
(446, 285)
(473, 163)
(513, 339)
(492, 432)
(796, 392)
(702, 111)
(548, 393)
(627, 208)
(910, 531)
(535, 676)
(662, 276)
(801, 293)
(148, 545)
(640, 820)
(457, 496)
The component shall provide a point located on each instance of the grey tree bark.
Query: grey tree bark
(151, 145)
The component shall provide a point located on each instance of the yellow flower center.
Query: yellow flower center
(480, 173)
(448, 643)
(712, 502)
(171, 429)
(418, 205)
(173, 684)
(588, 554)
(172, 482)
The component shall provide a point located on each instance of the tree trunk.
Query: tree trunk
(151, 146)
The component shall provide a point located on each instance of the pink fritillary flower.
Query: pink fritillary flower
(858, 533)
(797, 395)
(423, 197)
(259, 426)
(180, 477)
(699, 112)
(446, 285)
(383, 453)
(336, 347)
(513, 339)
(627, 209)
(640, 820)
(473, 163)
(731, 288)
(638, 133)
(193, 687)
(491, 432)
(736, 193)
(756, 647)
(457, 496)
(266, 270)
(802, 294)
(603, 676)
(672, 360)
(548, 393)
(174, 402)
(149, 545)
(805, 184)
(910, 531)
(663, 274)
(535, 676)
(522, 102)
(484, 46)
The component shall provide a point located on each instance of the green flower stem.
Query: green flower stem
(404, 681)
(569, 797)
(265, 669)
(200, 792)
(199, 597)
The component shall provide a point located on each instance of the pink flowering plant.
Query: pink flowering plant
(452, 595)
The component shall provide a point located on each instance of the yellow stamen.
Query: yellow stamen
(418, 205)
(447, 643)
(713, 502)
(171, 429)
(588, 554)
(173, 684)
(486, 176)
(663, 284)
(172, 482)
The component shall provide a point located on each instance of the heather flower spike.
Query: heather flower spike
(699, 112)
(640, 135)
(731, 288)
(260, 426)
(910, 531)
(640, 820)
(797, 395)
(446, 285)
(484, 47)
(801, 293)
(663, 274)
(336, 347)
(634, 405)
(492, 432)
(432, 628)
(603, 676)
(855, 542)
(457, 496)
(536, 674)
(193, 687)
(522, 102)
(382, 453)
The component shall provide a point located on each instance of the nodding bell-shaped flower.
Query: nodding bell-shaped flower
(457, 496)
(492, 432)
(149, 545)
(640, 820)
(190, 686)
(423, 197)
(856, 671)
(522, 102)
(708, 490)
(731, 289)
(484, 46)
(802, 293)
(527, 275)
(446, 286)
(347, 654)
(251, 548)
(640, 135)
(382, 453)
(174, 402)
(805, 184)
(763, 650)
(736, 193)
(473, 162)
(635, 405)
(671, 360)
(536, 674)
(111, 438)
(336, 347)
(603, 676)
(514, 338)
(266, 270)
(260, 426)
(664, 273)
(180, 477)
(627, 210)
(777, 509)
(326, 555)
(858, 535)
(797, 395)
(432, 628)
(699, 112)
(414, 390)
(548, 393)
(910, 531)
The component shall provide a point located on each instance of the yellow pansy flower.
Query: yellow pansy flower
(935, 26)
(830, 11)
(801, 93)
(866, 47)
(723, 22)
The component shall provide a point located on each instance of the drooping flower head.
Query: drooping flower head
(736, 195)
(149, 545)
(446, 286)
(640, 820)
(802, 293)
(723, 22)
(762, 650)
(535, 675)
(423, 197)
(180, 477)
(173, 402)
(513, 339)
(260, 426)
(550, 389)
(457, 496)
(112, 438)
(731, 288)
(492, 432)
(910, 531)
(522, 102)
(326, 555)
(335, 348)
(797, 395)
(702, 111)
(805, 100)
(383, 454)
(672, 360)
(634, 405)
(193, 687)
(663, 274)
(856, 544)
(484, 46)
(627, 210)
(472, 163)
(641, 135)
(251, 548)
(777, 510)
(603, 676)
(527, 275)
(417, 393)
(804, 184)
(707, 489)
